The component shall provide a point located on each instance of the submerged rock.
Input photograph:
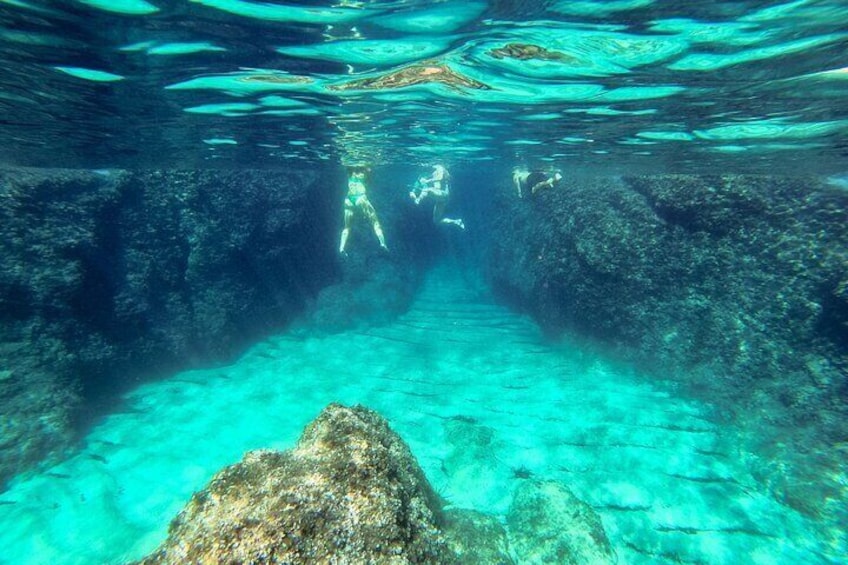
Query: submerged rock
(548, 524)
(735, 285)
(476, 538)
(350, 492)
(109, 277)
(739, 273)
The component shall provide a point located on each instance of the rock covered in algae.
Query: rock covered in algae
(476, 538)
(110, 276)
(548, 524)
(350, 492)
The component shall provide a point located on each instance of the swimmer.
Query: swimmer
(525, 180)
(357, 200)
(437, 188)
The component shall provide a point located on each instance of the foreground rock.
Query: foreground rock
(476, 538)
(548, 524)
(350, 492)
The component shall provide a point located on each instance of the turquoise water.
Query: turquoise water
(622, 85)
(478, 396)
(603, 88)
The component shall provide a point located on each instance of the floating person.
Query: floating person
(437, 188)
(525, 180)
(547, 183)
(519, 178)
(357, 199)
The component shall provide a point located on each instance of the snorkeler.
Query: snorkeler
(547, 183)
(535, 181)
(436, 187)
(357, 199)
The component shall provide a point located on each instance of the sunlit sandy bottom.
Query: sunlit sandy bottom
(482, 402)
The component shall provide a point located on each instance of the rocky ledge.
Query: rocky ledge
(735, 287)
(112, 276)
(351, 492)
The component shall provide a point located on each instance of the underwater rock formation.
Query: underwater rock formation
(548, 524)
(350, 492)
(476, 538)
(735, 284)
(740, 274)
(107, 276)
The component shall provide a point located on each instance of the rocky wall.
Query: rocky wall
(744, 275)
(109, 276)
(734, 285)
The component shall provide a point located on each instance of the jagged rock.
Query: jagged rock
(476, 538)
(350, 492)
(728, 283)
(109, 276)
(548, 524)
(682, 270)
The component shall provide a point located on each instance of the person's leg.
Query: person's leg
(422, 195)
(439, 214)
(540, 185)
(454, 221)
(348, 216)
(438, 210)
(371, 214)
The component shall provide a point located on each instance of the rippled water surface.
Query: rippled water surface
(617, 84)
